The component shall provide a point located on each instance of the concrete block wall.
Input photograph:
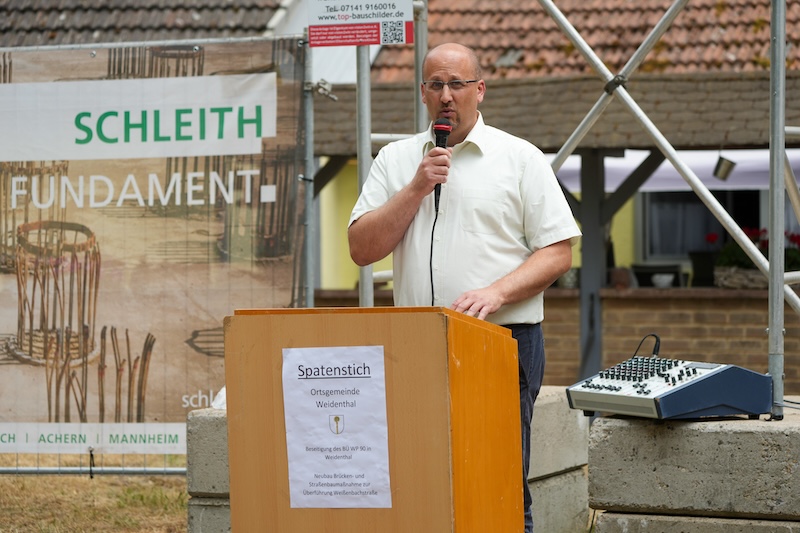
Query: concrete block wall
(207, 471)
(558, 477)
(696, 476)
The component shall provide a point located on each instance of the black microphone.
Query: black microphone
(441, 129)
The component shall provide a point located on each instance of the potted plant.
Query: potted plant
(735, 269)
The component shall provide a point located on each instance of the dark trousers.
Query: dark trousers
(530, 349)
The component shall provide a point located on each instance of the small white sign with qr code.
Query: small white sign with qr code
(356, 23)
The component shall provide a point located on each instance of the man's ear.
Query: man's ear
(481, 90)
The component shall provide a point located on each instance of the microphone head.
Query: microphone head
(443, 126)
(441, 129)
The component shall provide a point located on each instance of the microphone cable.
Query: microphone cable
(441, 130)
(430, 261)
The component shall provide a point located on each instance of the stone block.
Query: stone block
(561, 503)
(207, 453)
(559, 435)
(209, 515)
(634, 523)
(735, 468)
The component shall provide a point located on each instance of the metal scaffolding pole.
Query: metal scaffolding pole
(366, 290)
(777, 221)
(310, 235)
(420, 49)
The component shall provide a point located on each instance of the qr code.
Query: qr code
(393, 32)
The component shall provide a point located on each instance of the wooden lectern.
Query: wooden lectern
(452, 408)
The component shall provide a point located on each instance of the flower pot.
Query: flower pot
(740, 278)
(703, 268)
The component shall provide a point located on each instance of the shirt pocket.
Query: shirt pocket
(482, 210)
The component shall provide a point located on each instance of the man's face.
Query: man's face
(458, 105)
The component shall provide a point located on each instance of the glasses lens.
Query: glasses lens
(454, 85)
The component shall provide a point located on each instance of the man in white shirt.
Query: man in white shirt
(503, 232)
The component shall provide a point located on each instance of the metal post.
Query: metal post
(310, 234)
(366, 290)
(420, 49)
(592, 279)
(777, 222)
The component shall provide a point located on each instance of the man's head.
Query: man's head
(457, 102)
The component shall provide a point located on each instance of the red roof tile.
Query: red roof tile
(706, 36)
(54, 22)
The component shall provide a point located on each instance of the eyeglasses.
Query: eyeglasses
(454, 85)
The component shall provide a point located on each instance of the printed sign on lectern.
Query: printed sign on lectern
(336, 431)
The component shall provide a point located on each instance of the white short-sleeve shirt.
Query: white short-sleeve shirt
(501, 203)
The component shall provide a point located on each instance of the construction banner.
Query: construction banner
(145, 194)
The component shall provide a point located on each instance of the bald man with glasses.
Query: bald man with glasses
(503, 231)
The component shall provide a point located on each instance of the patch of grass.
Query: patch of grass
(155, 497)
(77, 504)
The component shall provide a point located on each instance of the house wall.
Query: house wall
(336, 200)
(335, 203)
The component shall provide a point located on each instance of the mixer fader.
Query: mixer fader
(657, 387)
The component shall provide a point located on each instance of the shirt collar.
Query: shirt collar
(476, 136)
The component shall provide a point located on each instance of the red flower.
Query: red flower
(712, 238)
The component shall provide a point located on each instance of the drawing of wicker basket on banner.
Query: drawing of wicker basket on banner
(18, 203)
(58, 276)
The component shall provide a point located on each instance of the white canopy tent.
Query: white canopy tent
(750, 173)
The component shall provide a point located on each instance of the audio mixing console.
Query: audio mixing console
(655, 387)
